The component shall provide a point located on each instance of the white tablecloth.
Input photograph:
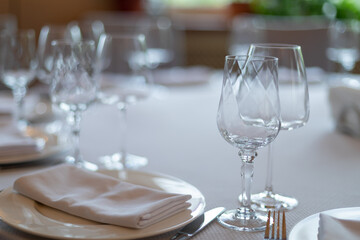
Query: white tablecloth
(177, 132)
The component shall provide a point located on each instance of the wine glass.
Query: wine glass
(19, 68)
(294, 100)
(125, 82)
(48, 33)
(248, 118)
(344, 40)
(74, 86)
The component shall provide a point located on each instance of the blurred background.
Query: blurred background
(207, 30)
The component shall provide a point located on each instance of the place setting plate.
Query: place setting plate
(32, 217)
(307, 229)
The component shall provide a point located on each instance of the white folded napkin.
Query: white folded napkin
(100, 198)
(344, 99)
(13, 142)
(333, 228)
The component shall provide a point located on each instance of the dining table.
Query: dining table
(176, 130)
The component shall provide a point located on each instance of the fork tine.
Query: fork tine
(283, 233)
(267, 229)
(278, 226)
(273, 227)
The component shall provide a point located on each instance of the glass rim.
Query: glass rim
(251, 57)
(276, 45)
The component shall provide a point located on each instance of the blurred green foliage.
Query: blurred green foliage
(342, 8)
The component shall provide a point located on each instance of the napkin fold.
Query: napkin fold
(332, 228)
(13, 142)
(100, 198)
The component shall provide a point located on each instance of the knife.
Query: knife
(200, 223)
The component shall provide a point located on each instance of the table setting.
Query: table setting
(197, 140)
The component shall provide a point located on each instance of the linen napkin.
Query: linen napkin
(344, 99)
(332, 228)
(13, 143)
(100, 198)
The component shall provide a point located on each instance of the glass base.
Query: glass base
(116, 161)
(82, 164)
(244, 220)
(267, 200)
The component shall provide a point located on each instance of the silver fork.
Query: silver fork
(272, 231)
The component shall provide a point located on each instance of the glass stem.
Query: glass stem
(76, 118)
(247, 172)
(269, 171)
(19, 94)
(123, 132)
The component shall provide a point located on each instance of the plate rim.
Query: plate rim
(51, 150)
(315, 217)
(197, 211)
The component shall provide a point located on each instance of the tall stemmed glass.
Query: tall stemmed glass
(19, 68)
(124, 83)
(248, 118)
(74, 86)
(294, 100)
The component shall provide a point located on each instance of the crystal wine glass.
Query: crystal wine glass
(74, 86)
(248, 118)
(124, 83)
(19, 68)
(48, 33)
(294, 100)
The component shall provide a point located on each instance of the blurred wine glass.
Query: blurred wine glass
(125, 83)
(344, 43)
(248, 118)
(19, 65)
(74, 86)
(48, 33)
(160, 41)
(95, 31)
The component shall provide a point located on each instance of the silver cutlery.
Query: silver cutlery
(196, 226)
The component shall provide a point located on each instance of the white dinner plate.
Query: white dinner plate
(53, 146)
(307, 229)
(29, 216)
